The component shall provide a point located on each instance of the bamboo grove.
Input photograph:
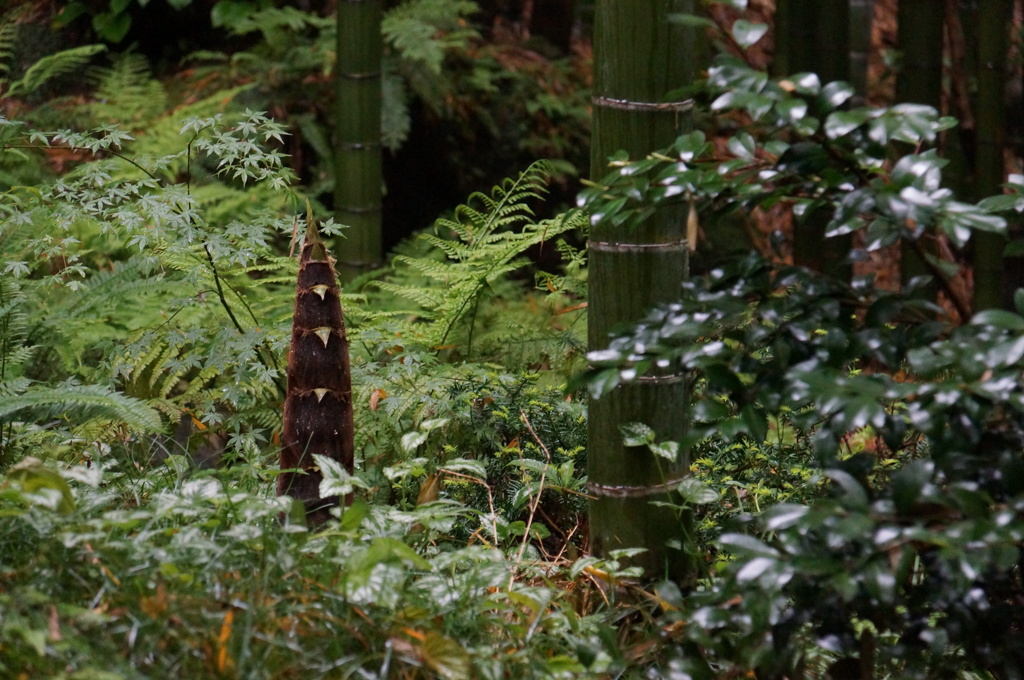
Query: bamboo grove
(745, 401)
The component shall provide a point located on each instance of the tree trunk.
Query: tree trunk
(994, 19)
(919, 35)
(920, 39)
(795, 36)
(862, 14)
(817, 39)
(357, 159)
(640, 57)
(831, 39)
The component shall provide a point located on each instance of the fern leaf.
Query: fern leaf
(422, 30)
(12, 329)
(53, 65)
(483, 244)
(78, 403)
(8, 34)
(126, 92)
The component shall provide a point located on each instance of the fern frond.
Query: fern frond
(53, 65)
(427, 299)
(486, 241)
(12, 329)
(36, 402)
(8, 34)
(126, 92)
(422, 30)
(273, 20)
(455, 250)
(123, 286)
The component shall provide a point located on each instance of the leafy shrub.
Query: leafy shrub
(201, 577)
(116, 271)
(908, 563)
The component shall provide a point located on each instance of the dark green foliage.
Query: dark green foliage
(485, 240)
(908, 564)
(203, 578)
(855, 459)
(116, 269)
(148, 292)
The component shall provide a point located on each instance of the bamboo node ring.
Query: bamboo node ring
(654, 107)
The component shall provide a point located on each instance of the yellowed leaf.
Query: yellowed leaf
(692, 227)
(446, 657)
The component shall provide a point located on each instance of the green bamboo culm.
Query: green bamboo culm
(993, 26)
(640, 58)
(357, 162)
(919, 81)
(814, 36)
(861, 19)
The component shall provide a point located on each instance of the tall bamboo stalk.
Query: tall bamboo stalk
(861, 19)
(816, 38)
(357, 155)
(813, 35)
(994, 19)
(640, 57)
(832, 39)
(920, 38)
(795, 36)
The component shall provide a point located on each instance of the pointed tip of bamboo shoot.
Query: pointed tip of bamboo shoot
(320, 290)
(324, 333)
(320, 392)
(318, 252)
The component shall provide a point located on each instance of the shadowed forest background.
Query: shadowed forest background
(684, 338)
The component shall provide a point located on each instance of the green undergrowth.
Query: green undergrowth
(145, 306)
(107, 573)
(855, 456)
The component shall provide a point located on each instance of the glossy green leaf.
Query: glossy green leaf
(833, 95)
(1000, 319)
(747, 33)
(42, 485)
(666, 450)
(692, 20)
(908, 482)
(747, 546)
(695, 492)
(792, 110)
(806, 83)
(841, 123)
(755, 568)
(636, 434)
(755, 421)
(853, 491)
(784, 516)
(413, 440)
(742, 145)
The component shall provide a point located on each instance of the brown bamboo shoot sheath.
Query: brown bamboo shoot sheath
(318, 405)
